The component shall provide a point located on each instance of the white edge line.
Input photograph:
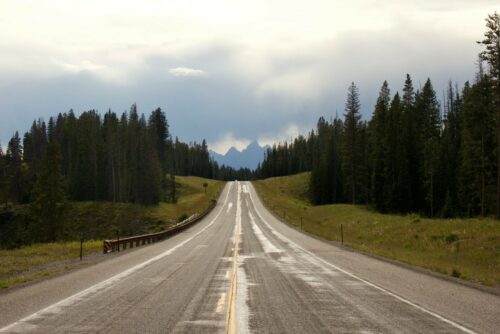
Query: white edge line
(404, 300)
(111, 280)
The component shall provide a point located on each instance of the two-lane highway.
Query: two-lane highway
(240, 270)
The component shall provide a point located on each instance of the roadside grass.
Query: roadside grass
(101, 220)
(30, 263)
(192, 199)
(98, 221)
(463, 248)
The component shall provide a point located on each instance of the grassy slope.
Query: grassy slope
(465, 248)
(100, 220)
(30, 263)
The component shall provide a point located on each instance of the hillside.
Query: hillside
(465, 248)
(100, 220)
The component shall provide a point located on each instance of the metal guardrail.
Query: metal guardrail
(112, 245)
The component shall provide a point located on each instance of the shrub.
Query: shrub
(451, 238)
(182, 217)
(456, 273)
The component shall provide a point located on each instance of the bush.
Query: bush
(451, 238)
(15, 226)
(182, 218)
(456, 273)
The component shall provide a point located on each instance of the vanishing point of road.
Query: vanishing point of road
(240, 270)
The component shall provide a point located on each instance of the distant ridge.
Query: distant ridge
(247, 158)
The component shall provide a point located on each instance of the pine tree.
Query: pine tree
(34, 149)
(396, 173)
(68, 128)
(3, 177)
(47, 209)
(336, 160)
(16, 171)
(478, 137)
(378, 126)
(450, 149)
(492, 56)
(321, 178)
(351, 152)
(204, 160)
(158, 127)
(51, 130)
(149, 174)
(123, 160)
(365, 171)
(428, 108)
(410, 178)
(112, 157)
(134, 177)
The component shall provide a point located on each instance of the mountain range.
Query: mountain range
(247, 158)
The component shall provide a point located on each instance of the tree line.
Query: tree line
(119, 158)
(110, 157)
(415, 154)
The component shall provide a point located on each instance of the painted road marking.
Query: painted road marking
(266, 244)
(237, 317)
(221, 303)
(231, 321)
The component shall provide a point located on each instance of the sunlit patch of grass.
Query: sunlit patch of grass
(192, 198)
(465, 248)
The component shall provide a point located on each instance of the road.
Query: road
(242, 271)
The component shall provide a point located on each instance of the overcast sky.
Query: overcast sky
(225, 70)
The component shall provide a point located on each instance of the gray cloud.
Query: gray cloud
(296, 87)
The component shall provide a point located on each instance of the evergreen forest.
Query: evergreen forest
(127, 158)
(416, 153)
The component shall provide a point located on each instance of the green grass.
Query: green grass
(29, 263)
(464, 248)
(192, 199)
(101, 220)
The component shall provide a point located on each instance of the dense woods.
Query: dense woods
(415, 154)
(127, 158)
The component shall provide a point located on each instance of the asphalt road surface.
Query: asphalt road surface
(242, 271)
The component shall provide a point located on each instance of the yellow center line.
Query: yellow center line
(231, 320)
(231, 315)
